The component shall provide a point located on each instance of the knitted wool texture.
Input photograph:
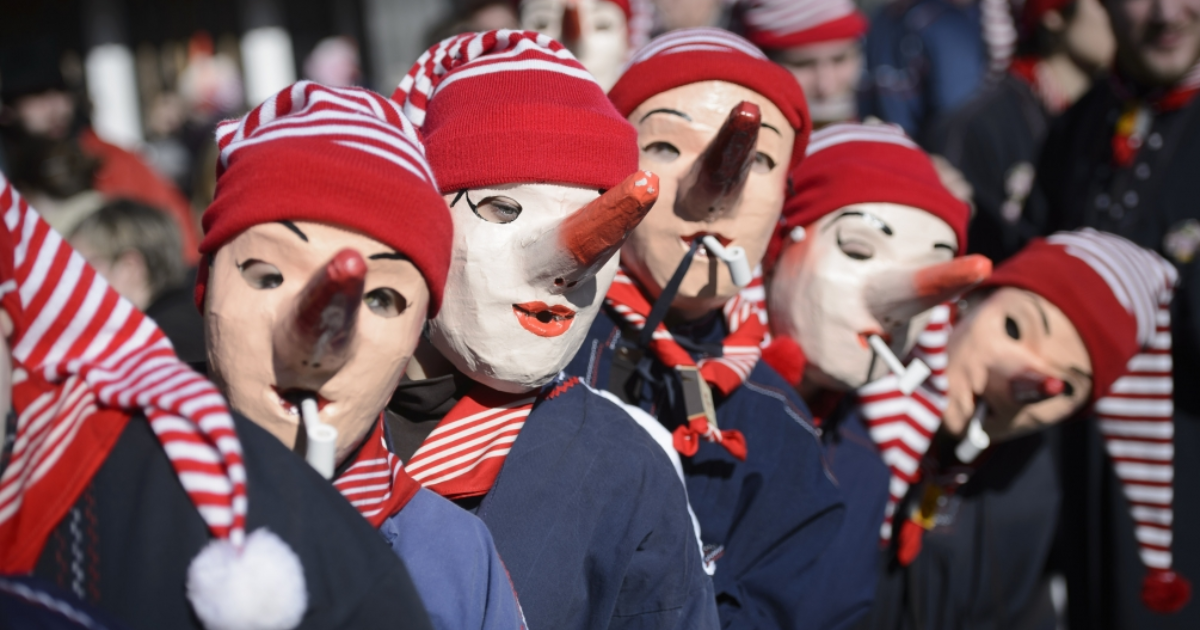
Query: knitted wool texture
(781, 24)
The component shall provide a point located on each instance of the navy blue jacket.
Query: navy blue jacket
(592, 523)
(764, 522)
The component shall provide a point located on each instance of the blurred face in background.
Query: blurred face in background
(1084, 33)
(687, 13)
(829, 73)
(1158, 41)
(47, 114)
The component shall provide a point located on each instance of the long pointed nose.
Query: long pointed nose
(1030, 387)
(572, 29)
(316, 338)
(586, 240)
(896, 296)
(715, 182)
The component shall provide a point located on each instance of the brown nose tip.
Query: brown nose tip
(318, 334)
(715, 182)
(1029, 387)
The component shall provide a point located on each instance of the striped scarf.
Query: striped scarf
(1137, 115)
(462, 457)
(903, 426)
(376, 483)
(741, 350)
(85, 360)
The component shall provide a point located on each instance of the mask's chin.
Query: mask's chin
(522, 363)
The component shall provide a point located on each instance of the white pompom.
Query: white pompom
(262, 588)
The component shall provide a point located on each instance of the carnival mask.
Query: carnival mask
(865, 269)
(595, 31)
(530, 268)
(722, 152)
(298, 310)
(1018, 353)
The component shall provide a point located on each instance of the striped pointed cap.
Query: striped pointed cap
(693, 55)
(1118, 296)
(849, 163)
(341, 156)
(84, 362)
(508, 107)
(781, 24)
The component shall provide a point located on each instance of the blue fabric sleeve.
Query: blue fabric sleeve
(453, 561)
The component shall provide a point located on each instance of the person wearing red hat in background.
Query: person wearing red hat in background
(315, 288)
(820, 43)
(994, 139)
(1075, 322)
(1123, 160)
(600, 33)
(542, 179)
(866, 255)
(126, 480)
(722, 125)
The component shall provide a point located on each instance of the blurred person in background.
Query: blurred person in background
(472, 16)
(600, 33)
(43, 120)
(925, 58)
(820, 43)
(995, 139)
(1124, 160)
(676, 14)
(334, 62)
(137, 249)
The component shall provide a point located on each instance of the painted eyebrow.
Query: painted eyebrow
(673, 112)
(772, 128)
(870, 218)
(388, 256)
(953, 250)
(1045, 320)
(292, 226)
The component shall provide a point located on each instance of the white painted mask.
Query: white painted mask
(530, 268)
(595, 31)
(691, 135)
(310, 309)
(869, 268)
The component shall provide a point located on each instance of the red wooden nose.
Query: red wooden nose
(1030, 387)
(719, 175)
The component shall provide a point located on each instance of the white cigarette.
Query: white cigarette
(977, 440)
(322, 439)
(733, 257)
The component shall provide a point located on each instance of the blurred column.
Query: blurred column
(396, 33)
(111, 73)
(266, 50)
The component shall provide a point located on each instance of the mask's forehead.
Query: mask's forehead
(898, 233)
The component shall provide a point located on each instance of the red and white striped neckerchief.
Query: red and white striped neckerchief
(741, 350)
(85, 360)
(462, 457)
(1137, 114)
(376, 483)
(903, 426)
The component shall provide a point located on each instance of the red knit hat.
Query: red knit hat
(1118, 296)
(506, 107)
(341, 156)
(693, 55)
(780, 24)
(851, 163)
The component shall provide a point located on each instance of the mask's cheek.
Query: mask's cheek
(834, 315)
(240, 323)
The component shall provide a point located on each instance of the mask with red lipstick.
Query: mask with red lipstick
(543, 186)
(313, 284)
(721, 125)
(868, 246)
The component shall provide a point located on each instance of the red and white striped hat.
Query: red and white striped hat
(1118, 296)
(342, 156)
(506, 107)
(693, 55)
(781, 24)
(85, 361)
(849, 163)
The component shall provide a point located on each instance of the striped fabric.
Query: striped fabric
(350, 117)
(463, 455)
(85, 359)
(784, 17)
(481, 54)
(1135, 415)
(841, 133)
(696, 39)
(903, 426)
(376, 484)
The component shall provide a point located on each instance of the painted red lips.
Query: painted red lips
(544, 320)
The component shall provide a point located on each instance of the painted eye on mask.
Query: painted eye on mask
(497, 209)
(858, 250)
(1012, 329)
(664, 152)
(762, 163)
(260, 275)
(385, 302)
(603, 25)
